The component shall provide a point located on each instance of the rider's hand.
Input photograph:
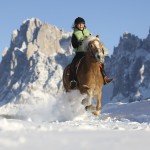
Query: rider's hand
(80, 43)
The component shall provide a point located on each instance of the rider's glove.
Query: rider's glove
(80, 43)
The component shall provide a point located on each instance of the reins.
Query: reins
(91, 52)
(89, 48)
(79, 64)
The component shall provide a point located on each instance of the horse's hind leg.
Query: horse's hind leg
(88, 105)
(85, 102)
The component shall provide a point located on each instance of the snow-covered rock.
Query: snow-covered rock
(129, 65)
(32, 66)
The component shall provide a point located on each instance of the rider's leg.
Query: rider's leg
(73, 80)
(106, 79)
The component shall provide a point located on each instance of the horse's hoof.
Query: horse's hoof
(96, 113)
(85, 102)
(86, 108)
(73, 84)
(90, 108)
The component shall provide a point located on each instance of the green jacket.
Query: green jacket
(79, 37)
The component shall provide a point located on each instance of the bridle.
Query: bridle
(90, 49)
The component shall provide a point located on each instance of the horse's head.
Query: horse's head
(95, 48)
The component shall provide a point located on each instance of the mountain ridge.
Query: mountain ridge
(28, 63)
(130, 61)
(32, 67)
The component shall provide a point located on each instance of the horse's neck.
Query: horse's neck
(90, 62)
(90, 59)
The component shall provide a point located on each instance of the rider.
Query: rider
(79, 33)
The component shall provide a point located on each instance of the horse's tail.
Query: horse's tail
(66, 75)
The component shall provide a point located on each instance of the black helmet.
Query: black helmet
(79, 20)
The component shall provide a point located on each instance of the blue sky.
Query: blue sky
(108, 18)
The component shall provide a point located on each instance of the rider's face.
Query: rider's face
(80, 26)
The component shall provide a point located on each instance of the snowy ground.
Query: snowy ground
(63, 124)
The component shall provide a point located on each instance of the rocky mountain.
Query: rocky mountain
(32, 67)
(33, 62)
(129, 65)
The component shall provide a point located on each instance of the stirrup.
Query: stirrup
(73, 84)
(107, 80)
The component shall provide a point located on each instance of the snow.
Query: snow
(142, 72)
(59, 121)
(22, 49)
(62, 123)
(5, 51)
(15, 32)
(31, 19)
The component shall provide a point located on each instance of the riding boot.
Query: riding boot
(73, 82)
(72, 78)
(106, 79)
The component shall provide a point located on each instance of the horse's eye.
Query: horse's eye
(92, 46)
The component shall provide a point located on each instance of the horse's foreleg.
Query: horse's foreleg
(98, 104)
(89, 106)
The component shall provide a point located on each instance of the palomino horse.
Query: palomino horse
(89, 77)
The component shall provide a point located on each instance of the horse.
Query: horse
(88, 74)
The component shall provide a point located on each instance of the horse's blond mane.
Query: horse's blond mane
(87, 40)
(91, 38)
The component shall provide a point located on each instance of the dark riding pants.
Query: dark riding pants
(77, 57)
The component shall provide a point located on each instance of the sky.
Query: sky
(109, 19)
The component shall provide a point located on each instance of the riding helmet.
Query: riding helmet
(79, 20)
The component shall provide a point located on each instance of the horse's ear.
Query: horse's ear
(97, 36)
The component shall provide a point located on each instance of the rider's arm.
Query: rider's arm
(75, 42)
